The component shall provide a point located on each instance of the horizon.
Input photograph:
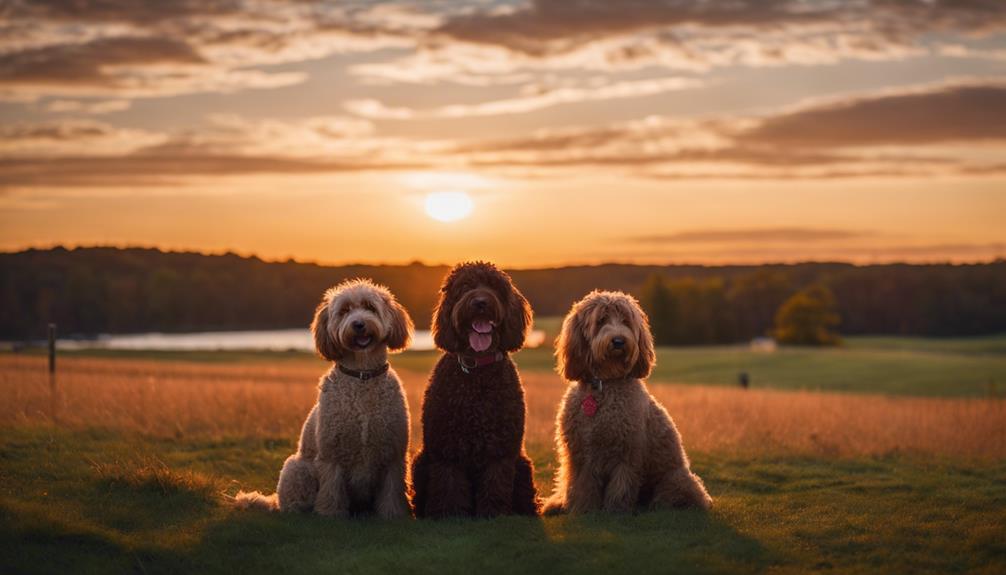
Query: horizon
(429, 264)
(541, 133)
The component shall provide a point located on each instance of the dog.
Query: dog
(618, 448)
(351, 458)
(473, 462)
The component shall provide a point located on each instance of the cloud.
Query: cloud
(555, 26)
(370, 108)
(92, 63)
(130, 66)
(125, 11)
(549, 26)
(90, 107)
(143, 49)
(85, 153)
(838, 251)
(474, 46)
(972, 112)
(764, 235)
(53, 139)
(893, 134)
(536, 97)
(888, 134)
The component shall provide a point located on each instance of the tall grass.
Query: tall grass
(177, 399)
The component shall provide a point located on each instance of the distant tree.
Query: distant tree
(116, 290)
(754, 299)
(687, 311)
(809, 317)
(655, 298)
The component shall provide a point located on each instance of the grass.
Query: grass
(127, 466)
(967, 367)
(60, 511)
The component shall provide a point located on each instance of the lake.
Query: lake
(264, 340)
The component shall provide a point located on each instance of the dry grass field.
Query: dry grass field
(180, 399)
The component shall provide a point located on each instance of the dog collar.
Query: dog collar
(365, 374)
(597, 384)
(479, 361)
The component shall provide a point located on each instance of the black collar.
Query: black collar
(479, 361)
(597, 384)
(364, 374)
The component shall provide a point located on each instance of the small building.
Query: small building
(763, 344)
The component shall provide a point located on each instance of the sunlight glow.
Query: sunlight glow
(448, 206)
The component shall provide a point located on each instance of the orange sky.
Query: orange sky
(584, 132)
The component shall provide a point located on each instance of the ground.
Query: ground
(131, 469)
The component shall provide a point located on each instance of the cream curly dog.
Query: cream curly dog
(618, 448)
(353, 447)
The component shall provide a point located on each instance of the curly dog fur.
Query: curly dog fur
(618, 448)
(473, 462)
(352, 452)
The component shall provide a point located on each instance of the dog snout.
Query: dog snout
(618, 342)
(359, 326)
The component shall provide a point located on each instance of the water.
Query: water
(265, 340)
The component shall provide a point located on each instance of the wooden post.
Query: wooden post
(53, 392)
(52, 348)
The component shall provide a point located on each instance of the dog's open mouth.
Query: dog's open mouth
(362, 341)
(481, 335)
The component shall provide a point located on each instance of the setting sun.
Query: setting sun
(448, 206)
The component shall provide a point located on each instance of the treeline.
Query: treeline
(112, 290)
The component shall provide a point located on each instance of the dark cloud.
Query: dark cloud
(123, 11)
(975, 112)
(164, 167)
(554, 25)
(92, 63)
(550, 26)
(56, 131)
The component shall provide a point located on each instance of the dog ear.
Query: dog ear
(517, 320)
(646, 357)
(571, 348)
(444, 335)
(323, 342)
(400, 328)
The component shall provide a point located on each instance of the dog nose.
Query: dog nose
(480, 303)
(358, 326)
(618, 342)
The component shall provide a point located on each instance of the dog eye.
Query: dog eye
(369, 306)
(344, 310)
(603, 319)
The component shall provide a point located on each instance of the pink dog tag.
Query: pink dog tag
(589, 405)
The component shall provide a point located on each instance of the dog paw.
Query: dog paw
(552, 508)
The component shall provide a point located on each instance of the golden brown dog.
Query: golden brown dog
(353, 447)
(618, 448)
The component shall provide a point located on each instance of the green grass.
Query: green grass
(968, 367)
(97, 501)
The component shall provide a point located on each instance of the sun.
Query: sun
(448, 206)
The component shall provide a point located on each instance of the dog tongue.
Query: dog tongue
(480, 341)
(482, 326)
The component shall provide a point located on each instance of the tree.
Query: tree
(809, 317)
(656, 300)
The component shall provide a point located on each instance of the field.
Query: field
(963, 367)
(126, 463)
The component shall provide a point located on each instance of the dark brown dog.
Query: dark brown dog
(473, 461)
